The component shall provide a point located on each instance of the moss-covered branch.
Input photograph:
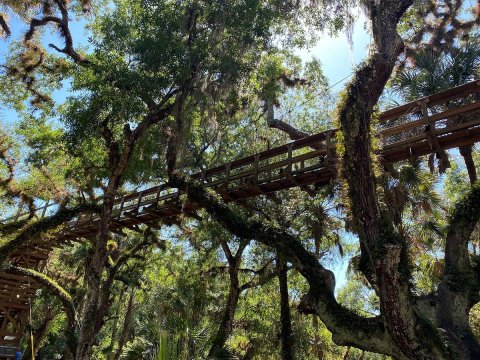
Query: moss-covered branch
(53, 287)
(347, 327)
(463, 220)
(59, 292)
(459, 276)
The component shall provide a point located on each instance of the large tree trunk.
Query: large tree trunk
(226, 325)
(285, 318)
(384, 253)
(94, 269)
(93, 275)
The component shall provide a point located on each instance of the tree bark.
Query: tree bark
(384, 258)
(226, 325)
(285, 318)
(384, 253)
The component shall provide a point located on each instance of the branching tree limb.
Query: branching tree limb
(62, 23)
(346, 326)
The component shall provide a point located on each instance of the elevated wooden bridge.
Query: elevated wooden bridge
(429, 125)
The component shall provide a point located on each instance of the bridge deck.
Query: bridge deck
(430, 125)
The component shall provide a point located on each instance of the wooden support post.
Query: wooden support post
(139, 201)
(79, 216)
(157, 196)
(432, 136)
(289, 157)
(44, 209)
(122, 202)
(18, 211)
(227, 176)
(255, 168)
(305, 188)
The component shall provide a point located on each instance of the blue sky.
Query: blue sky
(335, 54)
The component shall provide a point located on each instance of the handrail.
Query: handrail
(432, 100)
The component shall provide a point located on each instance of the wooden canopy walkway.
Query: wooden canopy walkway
(430, 125)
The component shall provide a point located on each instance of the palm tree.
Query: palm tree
(430, 71)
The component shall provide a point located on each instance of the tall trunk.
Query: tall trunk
(466, 152)
(226, 325)
(93, 275)
(127, 325)
(384, 253)
(285, 318)
(94, 269)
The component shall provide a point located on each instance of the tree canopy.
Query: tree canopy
(159, 90)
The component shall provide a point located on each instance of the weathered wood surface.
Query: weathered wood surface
(427, 126)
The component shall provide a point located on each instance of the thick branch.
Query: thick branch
(346, 326)
(62, 23)
(462, 223)
(53, 287)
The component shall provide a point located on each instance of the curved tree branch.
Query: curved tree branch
(347, 327)
(59, 292)
(62, 23)
(53, 287)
